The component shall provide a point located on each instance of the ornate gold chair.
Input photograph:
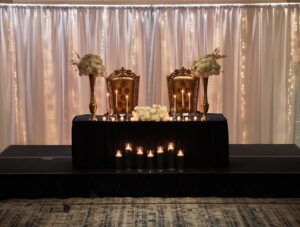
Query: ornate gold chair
(185, 87)
(123, 87)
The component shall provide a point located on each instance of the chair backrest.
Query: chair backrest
(186, 88)
(121, 83)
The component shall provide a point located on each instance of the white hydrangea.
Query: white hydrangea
(154, 113)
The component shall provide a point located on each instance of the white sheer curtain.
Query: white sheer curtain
(41, 93)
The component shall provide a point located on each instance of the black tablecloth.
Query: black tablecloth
(205, 144)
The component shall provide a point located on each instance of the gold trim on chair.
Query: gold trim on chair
(123, 87)
(180, 83)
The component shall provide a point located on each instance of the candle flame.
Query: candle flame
(189, 94)
(107, 94)
(150, 154)
(128, 147)
(174, 96)
(170, 146)
(118, 154)
(160, 149)
(195, 118)
(178, 118)
(116, 91)
(103, 118)
(113, 119)
(180, 153)
(140, 151)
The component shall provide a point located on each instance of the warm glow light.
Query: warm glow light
(113, 119)
(121, 118)
(170, 146)
(128, 147)
(139, 150)
(170, 118)
(150, 154)
(118, 154)
(103, 118)
(195, 118)
(186, 118)
(180, 153)
(178, 118)
(160, 149)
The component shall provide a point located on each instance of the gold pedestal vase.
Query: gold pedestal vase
(93, 104)
(204, 105)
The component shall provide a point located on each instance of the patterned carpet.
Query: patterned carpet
(150, 212)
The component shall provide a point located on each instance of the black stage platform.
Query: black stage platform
(254, 170)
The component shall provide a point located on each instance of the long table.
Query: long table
(205, 144)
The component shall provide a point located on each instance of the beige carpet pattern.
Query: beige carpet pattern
(151, 212)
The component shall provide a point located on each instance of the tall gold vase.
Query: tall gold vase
(93, 104)
(204, 105)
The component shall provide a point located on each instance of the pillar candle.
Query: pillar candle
(182, 99)
(128, 156)
(174, 96)
(126, 104)
(118, 160)
(116, 91)
(160, 158)
(150, 160)
(189, 94)
(140, 159)
(107, 100)
(170, 157)
(180, 160)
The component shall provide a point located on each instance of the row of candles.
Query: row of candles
(159, 160)
(128, 118)
(182, 100)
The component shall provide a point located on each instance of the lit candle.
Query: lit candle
(170, 118)
(150, 160)
(128, 147)
(174, 96)
(140, 158)
(189, 94)
(121, 118)
(126, 104)
(182, 99)
(116, 91)
(180, 160)
(195, 118)
(128, 156)
(107, 100)
(113, 118)
(103, 118)
(160, 158)
(170, 146)
(178, 118)
(170, 156)
(118, 160)
(186, 118)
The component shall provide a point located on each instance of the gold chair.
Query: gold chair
(123, 87)
(183, 91)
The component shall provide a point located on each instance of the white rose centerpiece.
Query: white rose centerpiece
(154, 113)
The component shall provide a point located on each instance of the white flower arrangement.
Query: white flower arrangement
(154, 113)
(207, 65)
(90, 64)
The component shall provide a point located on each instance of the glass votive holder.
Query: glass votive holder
(170, 157)
(140, 158)
(118, 160)
(180, 160)
(150, 160)
(128, 156)
(160, 158)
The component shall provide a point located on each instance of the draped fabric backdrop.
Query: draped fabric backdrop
(40, 92)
